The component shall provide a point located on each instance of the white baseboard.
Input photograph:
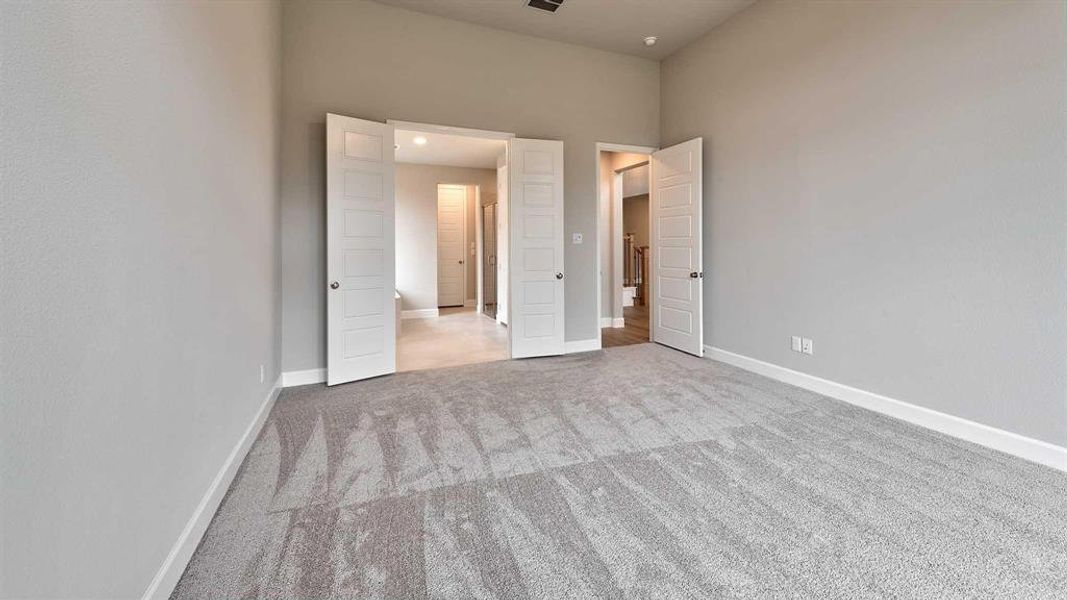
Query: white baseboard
(306, 377)
(421, 313)
(612, 322)
(1030, 449)
(581, 346)
(174, 565)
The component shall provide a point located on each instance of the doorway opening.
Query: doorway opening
(625, 254)
(444, 184)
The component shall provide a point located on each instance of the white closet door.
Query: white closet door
(536, 249)
(677, 252)
(451, 239)
(360, 250)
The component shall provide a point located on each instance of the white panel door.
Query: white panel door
(360, 250)
(451, 236)
(677, 251)
(536, 249)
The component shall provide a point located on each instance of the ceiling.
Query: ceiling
(448, 150)
(615, 25)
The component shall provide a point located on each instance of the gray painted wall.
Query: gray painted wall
(378, 62)
(141, 276)
(635, 218)
(416, 228)
(888, 179)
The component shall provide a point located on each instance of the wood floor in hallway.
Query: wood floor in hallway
(635, 331)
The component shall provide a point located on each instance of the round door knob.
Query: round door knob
(334, 285)
(461, 262)
(694, 274)
(559, 275)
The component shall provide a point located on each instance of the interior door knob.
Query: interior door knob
(694, 274)
(559, 275)
(334, 285)
(461, 262)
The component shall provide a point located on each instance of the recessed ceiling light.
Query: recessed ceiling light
(419, 140)
(651, 40)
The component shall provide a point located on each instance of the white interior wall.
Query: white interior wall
(367, 60)
(887, 178)
(635, 218)
(139, 277)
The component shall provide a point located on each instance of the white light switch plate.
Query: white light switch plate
(576, 238)
(806, 346)
(796, 343)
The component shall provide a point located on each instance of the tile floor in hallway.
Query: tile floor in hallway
(458, 336)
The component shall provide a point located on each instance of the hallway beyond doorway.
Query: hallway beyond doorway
(635, 330)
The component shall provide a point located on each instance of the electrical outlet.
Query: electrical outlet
(796, 343)
(262, 373)
(806, 346)
(576, 238)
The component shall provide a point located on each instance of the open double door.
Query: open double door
(361, 248)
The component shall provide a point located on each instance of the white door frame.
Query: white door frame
(478, 250)
(598, 224)
(503, 187)
(449, 130)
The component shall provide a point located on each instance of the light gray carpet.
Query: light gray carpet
(634, 472)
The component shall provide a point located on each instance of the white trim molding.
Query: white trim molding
(610, 147)
(614, 322)
(1023, 447)
(420, 313)
(306, 377)
(570, 347)
(173, 566)
(449, 130)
